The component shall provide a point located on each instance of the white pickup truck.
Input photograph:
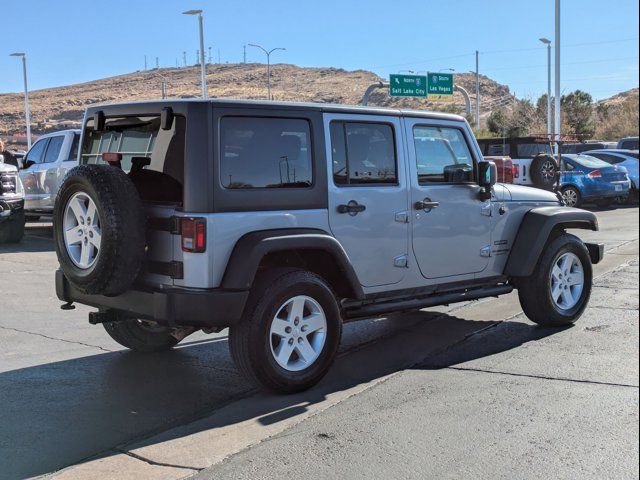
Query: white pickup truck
(44, 167)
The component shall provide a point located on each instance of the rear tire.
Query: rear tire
(553, 295)
(291, 331)
(141, 336)
(12, 231)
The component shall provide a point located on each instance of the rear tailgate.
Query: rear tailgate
(163, 261)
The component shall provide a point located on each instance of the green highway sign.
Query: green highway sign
(407, 85)
(440, 86)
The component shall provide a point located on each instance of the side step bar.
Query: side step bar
(376, 309)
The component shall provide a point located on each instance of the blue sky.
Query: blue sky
(72, 41)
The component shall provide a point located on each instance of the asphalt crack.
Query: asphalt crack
(542, 377)
(158, 464)
(58, 339)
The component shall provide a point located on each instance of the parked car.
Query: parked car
(532, 159)
(624, 158)
(505, 168)
(43, 168)
(585, 178)
(585, 146)
(283, 220)
(628, 143)
(11, 205)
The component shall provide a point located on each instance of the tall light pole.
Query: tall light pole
(203, 67)
(547, 42)
(558, 125)
(27, 112)
(477, 89)
(268, 54)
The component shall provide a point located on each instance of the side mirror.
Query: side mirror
(27, 164)
(488, 174)
(487, 178)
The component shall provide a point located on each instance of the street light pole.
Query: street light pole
(558, 125)
(27, 112)
(268, 54)
(547, 42)
(203, 67)
(477, 89)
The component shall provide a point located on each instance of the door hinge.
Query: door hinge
(400, 261)
(485, 251)
(402, 217)
(486, 209)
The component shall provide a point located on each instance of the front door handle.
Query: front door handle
(427, 204)
(352, 208)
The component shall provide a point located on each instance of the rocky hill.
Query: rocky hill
(55, 108)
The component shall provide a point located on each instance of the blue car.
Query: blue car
(584, 178)
(623, 158)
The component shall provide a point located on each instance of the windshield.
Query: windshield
(587, 161)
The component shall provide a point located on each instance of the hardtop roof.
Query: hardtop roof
(270, 104)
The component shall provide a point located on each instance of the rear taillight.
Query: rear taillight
(595, 174)
(516, 171)
(193, 234)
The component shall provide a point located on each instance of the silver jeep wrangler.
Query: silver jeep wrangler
(281, 221)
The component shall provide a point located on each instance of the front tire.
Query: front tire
(558, 291)
(291, 332)
(141, 336)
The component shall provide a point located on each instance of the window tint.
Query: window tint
(37, 151)
(589, 161)
(612, 159)
(53, 150)
(530, 150)
(363, 154)
(73, 154)
(265, 153)
(442, 155)
(500, 150)
(629, 144)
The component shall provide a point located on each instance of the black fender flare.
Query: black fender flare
(534, 231)
(251, 248)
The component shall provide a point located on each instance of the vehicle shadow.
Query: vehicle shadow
(58, 414)
(38, 237)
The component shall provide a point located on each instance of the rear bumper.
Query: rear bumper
(607, 190)
(172, 307)
(10, 208)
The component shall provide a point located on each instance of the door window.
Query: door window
(363, 154)
(442, 155)
(53, 150)
(265, 153)
(37, 151)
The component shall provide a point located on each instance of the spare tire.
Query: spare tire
(544, 170)
(99, 229)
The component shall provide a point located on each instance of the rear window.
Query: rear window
(629, 144)
(589, 161)
(265, 153)
(530, 150)
(501, 150)
(139, 137)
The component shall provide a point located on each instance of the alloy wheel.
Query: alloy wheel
(82, 230)
(567, 281)
(298, 332)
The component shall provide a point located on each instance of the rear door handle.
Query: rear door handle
(427, 204)
(352, 208)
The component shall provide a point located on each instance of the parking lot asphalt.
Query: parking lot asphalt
(397, 396)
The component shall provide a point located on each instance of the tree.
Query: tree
(578, 113)
(498, 121)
